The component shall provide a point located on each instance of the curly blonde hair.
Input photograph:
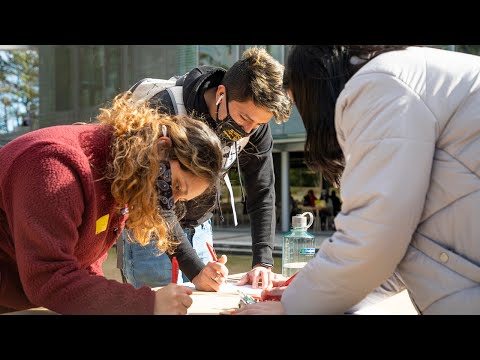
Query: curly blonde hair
(136, 156)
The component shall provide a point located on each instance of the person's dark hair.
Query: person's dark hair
(315, 76)
(258, 76)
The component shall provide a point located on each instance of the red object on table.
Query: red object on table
(278, 297)
(175, 268)
(289, 280)
(212, 251)
(214, 254)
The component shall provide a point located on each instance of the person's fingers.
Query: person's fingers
(212, 279)
(221, 269)
(266, 291)
(274, 291)
(265, 278)
(214, 274)
(186, 300)
(218, 278)
(203, 281)
(186, 290)
(214, 267)
(181, 310)
(262, 308)
(213, 286)
(228, 312)
(241, 310)
(271, 276)
(260, 277)
(223, 259)
(247, 310)
(243, 280)
(278, 282)
(278, 276)
(255, 278)
(172, 299)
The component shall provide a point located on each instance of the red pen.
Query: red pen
(212, 252)
(289, 280)
(214, 257)
(278, 297)
(174, 270)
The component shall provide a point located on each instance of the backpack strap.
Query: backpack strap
(176, 95)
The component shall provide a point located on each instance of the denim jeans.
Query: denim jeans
(146, 265)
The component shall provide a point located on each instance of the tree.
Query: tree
(19, 83)
(6, 103)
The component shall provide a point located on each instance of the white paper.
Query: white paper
(246, 289)
(230, 288)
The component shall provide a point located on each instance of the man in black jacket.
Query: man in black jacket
(238, 105)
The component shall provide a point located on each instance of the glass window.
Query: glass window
(249, 46)
(444, 47)
(152, 61)
(292, 128)
(469, 49)
(277, 51)
(63, 78)
(112, 71)
(187, 58)
(91, 64)
(217, 55)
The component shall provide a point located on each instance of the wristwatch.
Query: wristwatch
(266, 265)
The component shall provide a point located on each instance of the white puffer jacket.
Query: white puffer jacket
(409, 126)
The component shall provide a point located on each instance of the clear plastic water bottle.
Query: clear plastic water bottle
(298, 245)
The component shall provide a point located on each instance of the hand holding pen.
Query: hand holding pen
(172, 299)
(275, 293)
(269, 304)
(213, 274)
(214, 258)
(212, 252)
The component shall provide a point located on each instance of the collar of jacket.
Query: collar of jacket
(195, 80)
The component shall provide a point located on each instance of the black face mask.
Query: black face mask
(164, 186)
(227, 129)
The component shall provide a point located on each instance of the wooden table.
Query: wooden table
(204, 303)
(213, 303)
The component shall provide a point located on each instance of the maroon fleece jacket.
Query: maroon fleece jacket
(57, 221)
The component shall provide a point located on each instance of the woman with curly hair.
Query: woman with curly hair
(66, 193)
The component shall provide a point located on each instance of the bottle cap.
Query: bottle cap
(300, 220)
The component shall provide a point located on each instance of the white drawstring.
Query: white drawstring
(239, 173)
